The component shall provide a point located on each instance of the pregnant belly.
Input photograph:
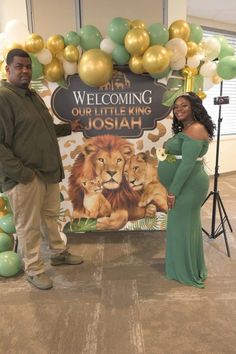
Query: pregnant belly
(166, 171)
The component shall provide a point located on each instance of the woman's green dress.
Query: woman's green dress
(188, 181)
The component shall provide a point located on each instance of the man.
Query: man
(31, 168)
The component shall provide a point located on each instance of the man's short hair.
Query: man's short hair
(16, 53)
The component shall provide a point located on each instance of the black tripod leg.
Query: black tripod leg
(222, 224)
(209, 195)
(225, 214)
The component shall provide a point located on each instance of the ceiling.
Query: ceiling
(216, 10)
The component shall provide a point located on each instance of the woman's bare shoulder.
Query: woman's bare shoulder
(197, 131)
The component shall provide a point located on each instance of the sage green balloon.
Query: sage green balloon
(72, 38)
(117, 29)
(158, 34)
(10, 264)
(120, 55)
(196, 33)
(7, 224)
(6, 243)
(225, 48)
(226, 68)
(37, 67)
(90, 37)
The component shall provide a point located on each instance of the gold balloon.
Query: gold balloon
(137, 41)
(189, 74)
(138, 24)
(55, 44)
(156, 59)
(34, 43)
(95, 67)
(179, 29)
(54, 71)
(71, 53)
(136, 65)
(201, 94)
(216, 79)
(3, 70)
(10, 47)
(192, 49)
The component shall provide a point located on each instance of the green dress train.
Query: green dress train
(188, 181)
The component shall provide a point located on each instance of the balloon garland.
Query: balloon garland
(156, 50)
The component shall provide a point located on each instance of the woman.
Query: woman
(182, 173)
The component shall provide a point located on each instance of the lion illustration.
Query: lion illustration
(104, 157)
(94, 203)
(141, 174)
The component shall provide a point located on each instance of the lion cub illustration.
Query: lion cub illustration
(141, 173)
(94, 203)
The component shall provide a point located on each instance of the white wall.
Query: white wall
(12, 9)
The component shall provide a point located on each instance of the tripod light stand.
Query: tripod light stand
(217, 201)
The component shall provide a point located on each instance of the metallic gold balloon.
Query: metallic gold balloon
(179, 29)
(192, 49)
(34, 43)
(10, 47)
(138, 24)
(3, 73)
(137, 41)
(54, 71)
(55, 44)
(95, 67)
(156, 59)
(71, 53)
(216, 79)
(136, 65)
(201, 94)
(189, 74)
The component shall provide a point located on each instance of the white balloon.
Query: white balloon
(16, 31)
(210, 48)
(194, 61)
(178, 46)
(107, 45)
(207, 83)
(208, 69)
(3, 41)
(70, 68)
(44, 56)
(178, 64)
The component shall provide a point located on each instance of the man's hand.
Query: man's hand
(76, 125)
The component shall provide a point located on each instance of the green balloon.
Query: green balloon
(7, 224)
(90, 37)
(10, 264)
(6, 243)
(37, 67)
(72, 38)
(196, 33)
(226, 68)
(158, 34)
(118, 29)
(226, 51)
(225, 48)
(120, 55)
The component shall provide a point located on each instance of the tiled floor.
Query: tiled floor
(119, 301)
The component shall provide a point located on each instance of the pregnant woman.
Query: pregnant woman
(181, 171)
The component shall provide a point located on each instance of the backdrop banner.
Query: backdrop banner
(110, 165)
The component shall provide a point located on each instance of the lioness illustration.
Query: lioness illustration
(141, 173)
(104, 157)
(94, 203)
